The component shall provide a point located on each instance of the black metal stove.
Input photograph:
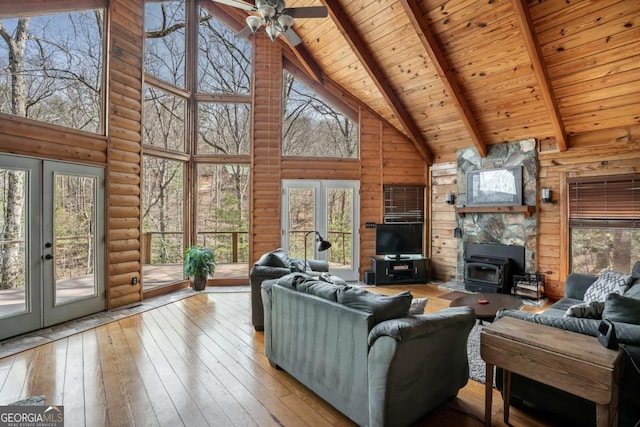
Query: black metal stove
(487, 274)
(489, 268)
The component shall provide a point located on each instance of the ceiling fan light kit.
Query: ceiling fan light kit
(275, 18)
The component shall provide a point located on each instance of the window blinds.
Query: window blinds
(605, 201)
(403, 203)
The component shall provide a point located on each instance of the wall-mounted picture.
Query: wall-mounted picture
(495, 187)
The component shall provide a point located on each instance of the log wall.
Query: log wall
(124, 151)
(444, 252)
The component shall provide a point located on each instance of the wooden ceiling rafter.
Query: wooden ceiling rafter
(448, 78)
(378, 76)
(525, 21)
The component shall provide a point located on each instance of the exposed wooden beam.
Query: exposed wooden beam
(306, 61)
(449, 80)
(521, 9)
(378, 76)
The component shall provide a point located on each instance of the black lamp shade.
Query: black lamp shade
(323, 245)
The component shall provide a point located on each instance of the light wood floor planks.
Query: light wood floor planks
(195, 362)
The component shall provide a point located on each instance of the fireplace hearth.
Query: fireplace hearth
(489, 268)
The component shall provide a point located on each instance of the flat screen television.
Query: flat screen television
(398, 241)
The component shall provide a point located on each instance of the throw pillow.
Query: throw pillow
(382, 307)
(610, 282)
(618, 308)
(275, 258)
(326, 277)
(633, 291)
(587, 310)
(417, 306)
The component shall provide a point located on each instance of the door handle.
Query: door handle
(48, 256)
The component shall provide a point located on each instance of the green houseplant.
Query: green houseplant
(199, 263)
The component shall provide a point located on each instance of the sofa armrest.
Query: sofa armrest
(318, 265)
(415, 363)
(257, 275)
(412, 327)
(576, 285)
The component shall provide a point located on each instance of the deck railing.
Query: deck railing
(233, 246)
(168, 248)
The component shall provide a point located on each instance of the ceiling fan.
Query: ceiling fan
(275, 17)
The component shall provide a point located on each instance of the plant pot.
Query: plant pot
(199, 283)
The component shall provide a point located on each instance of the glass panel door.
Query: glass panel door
(73, 241)
(19, 239)
(51, 243)
(331, 209)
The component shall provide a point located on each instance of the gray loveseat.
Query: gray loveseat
(274, 265)
(576, 410)
(373, 366)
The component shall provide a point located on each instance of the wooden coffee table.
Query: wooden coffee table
(486, 311)
(566, 360)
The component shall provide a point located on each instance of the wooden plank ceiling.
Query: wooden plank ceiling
(459, 73)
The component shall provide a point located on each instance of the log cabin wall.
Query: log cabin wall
(125, 71)
(611, 152)
(444, 254)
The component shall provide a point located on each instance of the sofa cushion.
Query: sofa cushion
(587, 310)
(382, 307)
(293, 280)
(417, 306)
(277, 258)
(610, 282)
(618, 308)
(322, 289)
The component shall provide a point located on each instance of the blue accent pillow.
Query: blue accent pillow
(618, 308)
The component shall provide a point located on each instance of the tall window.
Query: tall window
(165, 41)
(604, 223)
(311, 127)
(194, 118)
(51, 68)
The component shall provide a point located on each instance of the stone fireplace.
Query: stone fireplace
(502, 228)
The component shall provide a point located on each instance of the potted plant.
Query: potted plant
(199, 263)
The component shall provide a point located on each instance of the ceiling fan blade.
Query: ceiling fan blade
(244, 33)
(307, 12)
(292, 37)
(238, 4)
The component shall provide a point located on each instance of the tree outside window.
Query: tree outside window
(311, 127)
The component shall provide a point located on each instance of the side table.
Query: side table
(569, 361)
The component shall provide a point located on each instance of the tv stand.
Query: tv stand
(403, 270)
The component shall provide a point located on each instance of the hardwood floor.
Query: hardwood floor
(196, 362)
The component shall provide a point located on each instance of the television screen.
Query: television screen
(399, 239)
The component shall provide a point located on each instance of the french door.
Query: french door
(332, 209)
(51, 243)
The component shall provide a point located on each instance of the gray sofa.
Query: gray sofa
(577, 411)
(361, 352)
(274, 265)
